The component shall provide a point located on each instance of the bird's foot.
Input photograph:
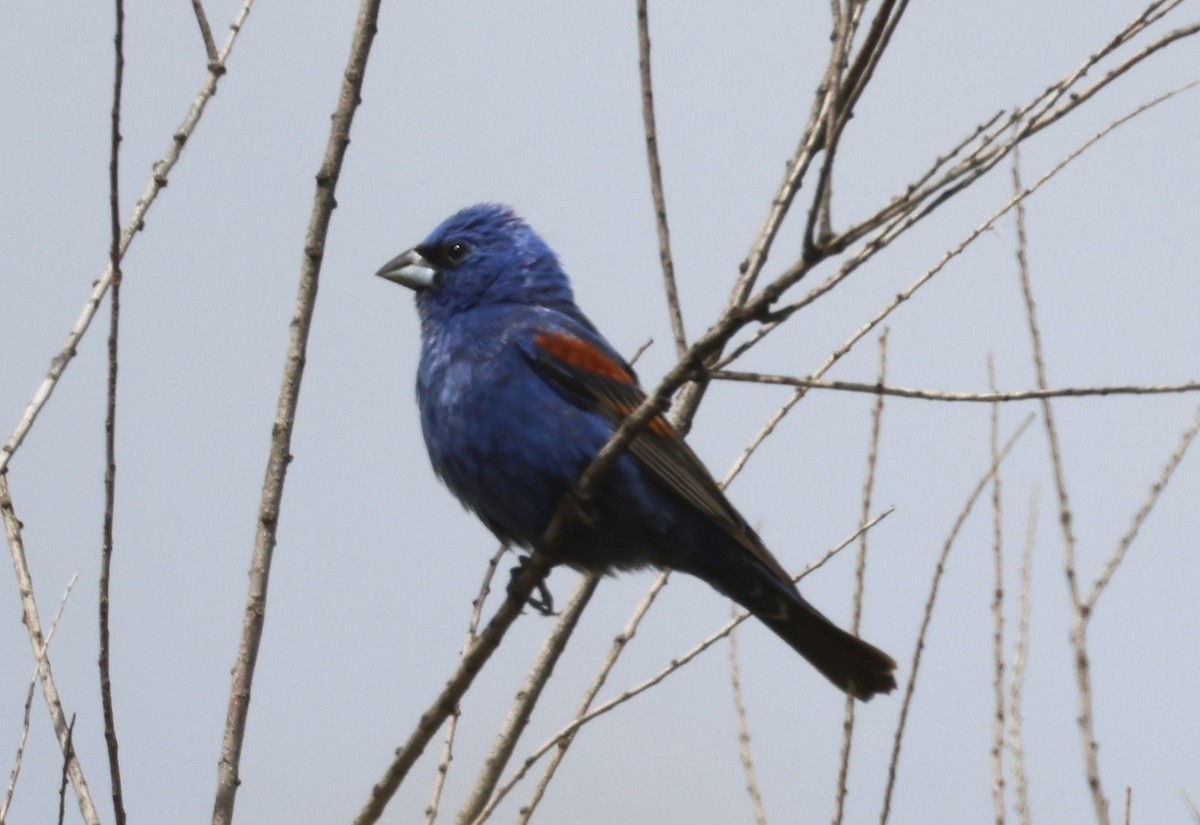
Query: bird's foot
(541, 600)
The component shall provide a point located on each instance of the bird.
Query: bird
(518, 391)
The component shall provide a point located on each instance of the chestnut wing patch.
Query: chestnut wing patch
(601, 384)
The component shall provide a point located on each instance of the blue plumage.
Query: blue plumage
(518, 391)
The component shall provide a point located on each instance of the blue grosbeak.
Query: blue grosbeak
(518, 391)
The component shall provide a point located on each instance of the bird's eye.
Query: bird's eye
(455, 251)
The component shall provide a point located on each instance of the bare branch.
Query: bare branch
(460, 681)
(838, 114)
(285, 415)
(675, 664)
(110, 420)
(1078, 631)
(158, 180)
(1114, 561)
(941, 395)
(927, 617)
(890, 224)
(1016, 744)
(210, 47)
(743, 728)
(33, 680)
(997, 610)
(1193, 811)
(68, 755)
(522, 708)
(656, 184)
(33, 626)
(860, 575)
(439, 783)
(618, 646)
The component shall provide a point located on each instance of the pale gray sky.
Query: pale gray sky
(536, 104)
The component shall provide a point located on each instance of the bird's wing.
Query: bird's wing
(597, 380)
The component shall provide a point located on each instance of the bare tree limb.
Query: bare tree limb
(1114, 561)
(68, 755)
(656, 185)
(997, 753)
(860, 576)
(940, 395)
(1079, 621)
(1016, 733)
(33, 680)
(350, 95)
(569, 730)
(33, 626)
(890, 224)
(927, 617)
(431, 810)
(743, 728)
(210, 47)
(158, 180)
(620, 641)
(522, 708)
(110, 420)
(1193, 811)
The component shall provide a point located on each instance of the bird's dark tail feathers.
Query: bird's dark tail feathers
(856, 667)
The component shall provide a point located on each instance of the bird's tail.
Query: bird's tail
(856, 667)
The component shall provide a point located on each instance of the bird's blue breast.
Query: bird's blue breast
(509, 445)
(505, 443)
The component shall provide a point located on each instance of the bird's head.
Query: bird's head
(484, 255)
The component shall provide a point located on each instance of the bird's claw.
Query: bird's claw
(542, 600)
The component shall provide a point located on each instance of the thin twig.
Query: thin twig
(569, 730)
(860, 575)
(527, 697)
(620, 641)
(847, 93)
(1118, 555)
(897, 223)
(16, 769)
(110, 421)
(460, 681)
(1193, 811)
(743, 728)
(33, 626)
(656, 184)
(68, 755)
(736, 316)
(997, 609)
(836, 93)
(439, 782)
(1016, 735)
(1079, 622)
(1044, 110)
(210, 47)
(946, 395)
(137, 222)
(927, 617)
(324, 202)
(1128, 804)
